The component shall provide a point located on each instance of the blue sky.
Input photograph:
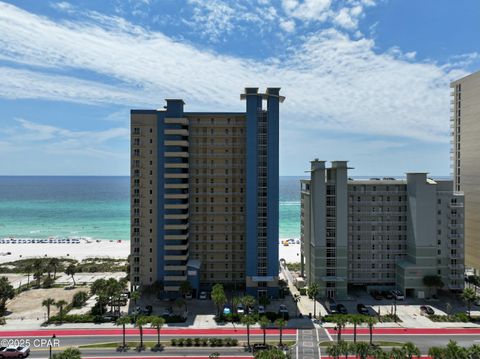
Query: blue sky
(365, 80)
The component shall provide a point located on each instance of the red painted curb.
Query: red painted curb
(411, 331)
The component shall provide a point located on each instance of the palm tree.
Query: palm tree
(37, 275)
(249, 302)
(333, 350)
(356, 319)
(344, 348)
(363, 350)
(140, 323)
(60, 305)
(264, 322)
(54, 263)
(371, 321)
(135, 296)
(474, 351)
(378, 353)
(248, 320)
(218, 296)
(436, 353)
(312, 292)
(280, 323)
(453, 350)
(48, 303)
(157, 323)
(397, 353)
(123, 320)
(410, 350)
(469, 297)
(28, 269)
(340, 321)
(71, 270)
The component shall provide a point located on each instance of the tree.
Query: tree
(48, 303)
(363, 350)
(218, 296)
(6, 292)
(312, 291)
(54, 263)
(123, 320)
(70, 353)
(356, 319)
(60, 305)
(185, 288)
(410, 350)
(280, 323)
(334, 350)
(474, 351)
(37, 275)
(296, 299)
(157, 323)
(397, 353)
(436, 353)
(264, 322)
(469, 297)
(248, 320)
(135, 296)
(71, 270)
(371, 321)
(249, 302)
(344, 348)
(340, 320)
(28, 269)
(378, 353)
(140, 324)
(454, 351)
(433, 281)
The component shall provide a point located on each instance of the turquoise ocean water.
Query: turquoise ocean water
(95, 207)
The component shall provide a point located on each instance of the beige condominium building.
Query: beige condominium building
(379, 233)
(465, 156)
(204, 196)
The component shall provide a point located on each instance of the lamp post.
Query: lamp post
(50, 352)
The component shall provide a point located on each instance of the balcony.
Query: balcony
(176, 247)
(176, 216)
(170, 288)
(177, 257)
(455, 205)
(176, 226)
(176, 206)
(175, 268)
(176, 185)
(176, 165)
(175, 278)
(180, 143)
(176, 175)
(177, 154)
(176, 237)
(178, 121)
(179, 132)
(455, 225)
(176, 196)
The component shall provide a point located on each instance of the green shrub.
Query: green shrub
(204, 342)
(188, 342)
(196, 342)
(175, 319)
(79, 299)
(180, 342)
(174, 342)
(77, 318)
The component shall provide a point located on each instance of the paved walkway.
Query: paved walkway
(307, 344)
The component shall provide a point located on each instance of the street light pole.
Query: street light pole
(50, 351)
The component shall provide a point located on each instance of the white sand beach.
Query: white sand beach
(105, 248)
(79, 251)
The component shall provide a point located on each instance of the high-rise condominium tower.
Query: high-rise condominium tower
(465, 131)
(381, 234)
(204, 196)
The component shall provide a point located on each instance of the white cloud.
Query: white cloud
(52, 140)
(307, 9)
(331, 81)
(287, 25)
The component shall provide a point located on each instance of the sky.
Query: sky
(365, 80)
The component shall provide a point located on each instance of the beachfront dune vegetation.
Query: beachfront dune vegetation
(53, 266)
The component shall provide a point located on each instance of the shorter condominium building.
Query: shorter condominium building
(379, 233)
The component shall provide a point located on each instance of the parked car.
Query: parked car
(283, 310)
(240, 309)
(203, 296)
(387, 294)
(227, 310)
(258, 347)
(426, 310)
(362, 309)
(188, 296)
(167, 312)
(376, 294)
(14, 352)
(397, 294)
(342, 309)
(331, 306)
(261, 309)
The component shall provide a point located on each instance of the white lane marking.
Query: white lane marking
(297, 346)
(328, 335)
